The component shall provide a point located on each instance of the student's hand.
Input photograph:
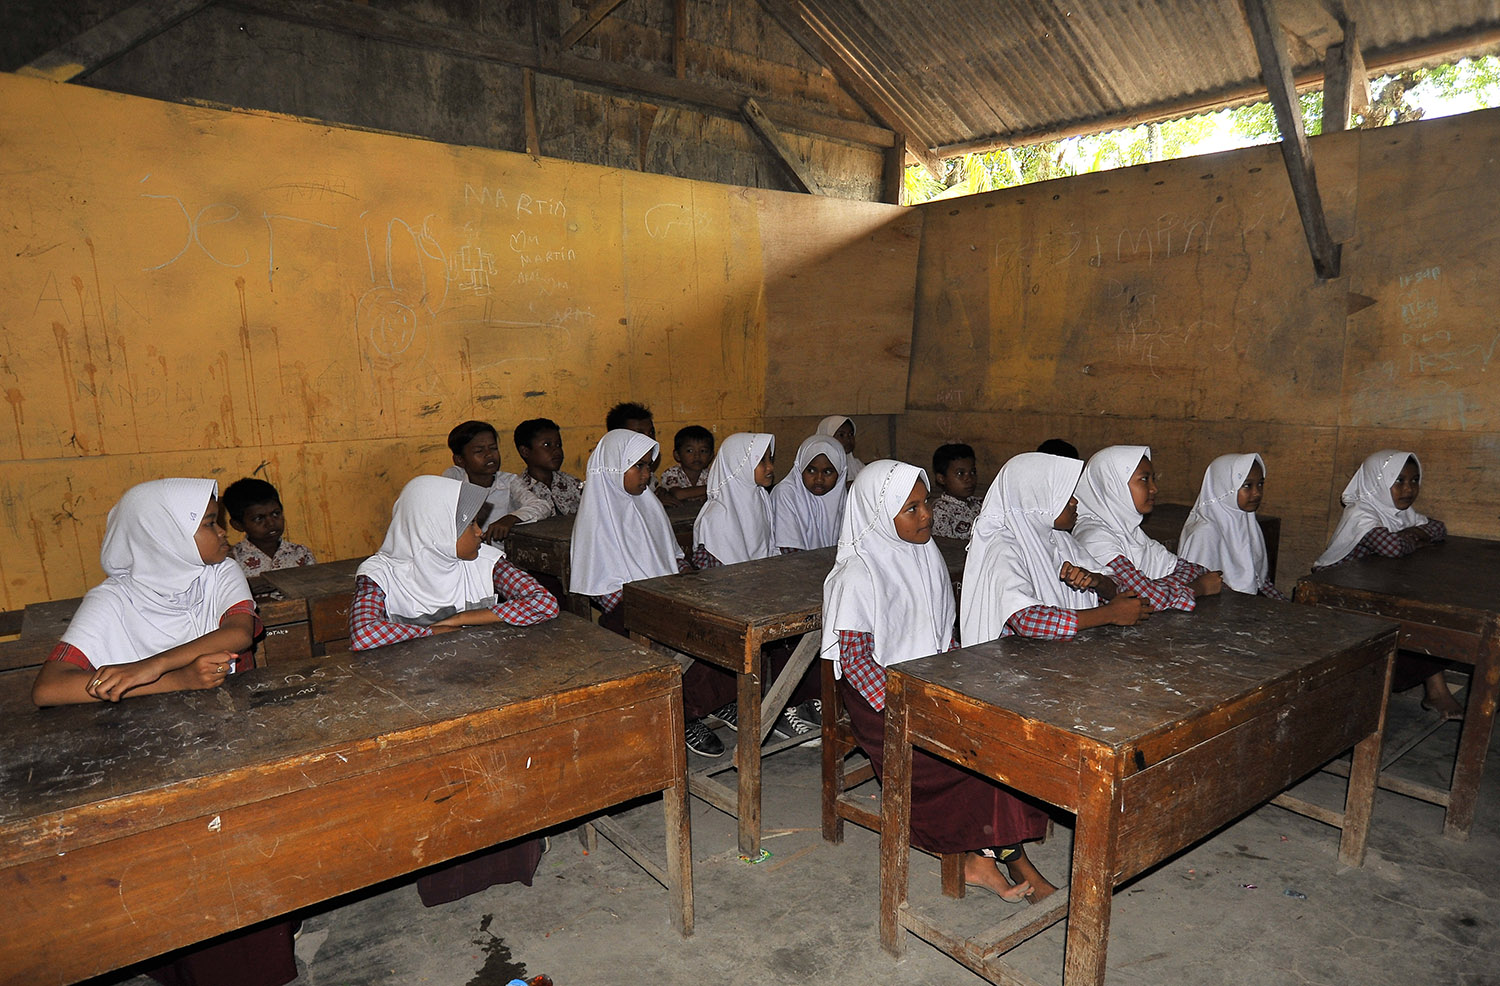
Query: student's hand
(206, 670)
(111, 682)
(1420, 534)
(500, 529)
(1078, 578)
(1127, 609)
(443, 626)
(1208, 584)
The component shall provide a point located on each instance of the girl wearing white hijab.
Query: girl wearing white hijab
(841, 427)
(1024, 573)
(887, 600)
(1221, 533)
(1116, 492)
(434, 573)
(1379, 520)
(173, 614)
(807, 505)
(735, 524)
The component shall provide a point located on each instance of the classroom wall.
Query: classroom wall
(189, 291)
(1175, 305)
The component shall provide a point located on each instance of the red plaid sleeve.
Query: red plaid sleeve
(1162, 593)
(703, 559)
(1269, 590)
(1046, 622)
(369, 624)
(685, 566)
(1185, 572)
(526, 602)
(1396, 544)
(609, 603)
(857, 664)
(68, 654)
(246, 660)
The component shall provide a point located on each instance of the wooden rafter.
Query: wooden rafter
(1346, 86)
(822, 43)
(597, 11)
(797, 168)
(110, 39)
(381, 25)
(1276, 67)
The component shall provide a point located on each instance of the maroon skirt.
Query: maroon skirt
(952, 810)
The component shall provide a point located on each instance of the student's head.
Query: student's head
(1408, 484)
(913, 518)
(954, 471)
(840, 427)
(632, 417)
(1248, 495)
(820, 476)
(209, 538)
(476, 449)
(693, 448)
(622, 460)
(254, 509)
(1057, 446)
(539, 443)
(1118, 488)
(1033, 489)
(1143, 486)
(161, 533)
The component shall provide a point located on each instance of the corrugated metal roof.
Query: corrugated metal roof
(958, 73)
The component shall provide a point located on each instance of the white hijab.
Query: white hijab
(880, 584)
(1015, 555)
(801, 519)
(1219, 535)
(735, 524)
(1108, 523)
(158, 592)
(418, 564)
(828, 426)
(1368, 505)
(617, 537)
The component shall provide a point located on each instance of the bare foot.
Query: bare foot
(980, 871)
(1023, 871)
(1439, 699)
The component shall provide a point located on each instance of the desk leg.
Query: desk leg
(1474, 741)
(747, 759)
(895, 820)
(1364, 777)
(1091, 891)
(678, 814)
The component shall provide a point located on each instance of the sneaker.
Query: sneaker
(727, 715)
(791, 724)
(812, 711)
(702, 741)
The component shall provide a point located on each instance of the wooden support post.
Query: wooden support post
(528, 109)
(679, 39)
(597, 11)
(801, 174)
(1346, 87)
(893, 184)
(1276, 69)
(110, 39)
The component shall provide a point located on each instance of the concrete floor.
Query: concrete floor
(1422, 911)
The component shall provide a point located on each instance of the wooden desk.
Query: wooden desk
(1445, 598)
(165, 820)
(326, 591)
(42, 625)
(545, 546)
(1165, 525)
(1154, 736)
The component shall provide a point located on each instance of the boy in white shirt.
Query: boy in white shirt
(476, 458)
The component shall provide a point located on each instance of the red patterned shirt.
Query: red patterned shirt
(526, 602)
(857, 664)
(1171, 591)
(703, 559)
(1045, 622)
(245, 660)
(1269, 590)
(1394, 544)
(609, 601)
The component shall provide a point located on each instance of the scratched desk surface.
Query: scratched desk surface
(1121, 686)
(77, 775)
(1455, 575)
(310, 581)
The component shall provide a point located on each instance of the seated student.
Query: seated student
(1057, 446)
(476, 458)
(842, 427)
(807, 505)
(955, 473)
(888, 599)
(1378, 519)
(173, 614)
(735, 522)
(1117, 491)
(539, 443)
(621, 536)
(693, 448)
(1222, 534)
(1024, 573)
(637, 418)
(254, 509)
(433, 574)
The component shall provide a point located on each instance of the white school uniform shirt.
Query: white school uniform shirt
(898, 591)
(617, 537)
(800, 519)
(418, 565)
(507, 494)
(735, 522)
(158, 593)
(828, 426)
(1108, 523)
(1015, 555)
(1368, 505)
(1219, 535)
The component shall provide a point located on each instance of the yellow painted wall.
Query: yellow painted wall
(188, 291)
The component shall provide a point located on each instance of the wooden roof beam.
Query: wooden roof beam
(597, 11)
(1276, 67)
(110, 39)
(1346, 83)
(797, 168)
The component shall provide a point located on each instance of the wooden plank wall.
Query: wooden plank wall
(190, 291)
(1175, 305)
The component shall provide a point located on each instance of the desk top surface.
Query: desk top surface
(496, 679)
(559, 527)
(1117, 685)
(1455, 574)
(310, 581)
